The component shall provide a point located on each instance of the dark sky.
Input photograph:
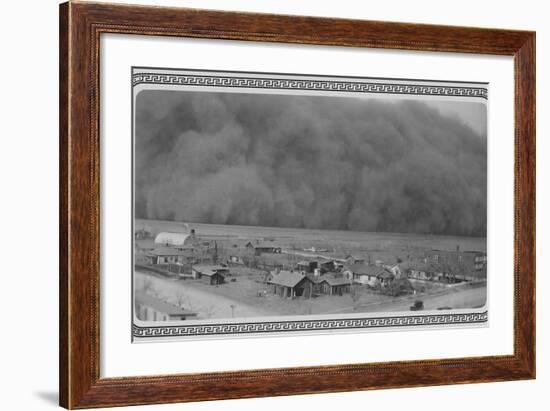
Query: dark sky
(311, 162)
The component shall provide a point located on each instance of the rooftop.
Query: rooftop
(209, 270)
(286, 278)
(365, 269)
(159, 305)
(333, 280)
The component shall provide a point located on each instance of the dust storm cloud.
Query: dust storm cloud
(308, 162)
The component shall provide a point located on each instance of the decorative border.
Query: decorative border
(195, 78)
(309, 325)
(274, 83)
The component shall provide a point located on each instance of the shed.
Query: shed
(211, 274)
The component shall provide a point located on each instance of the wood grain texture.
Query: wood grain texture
(80, 27)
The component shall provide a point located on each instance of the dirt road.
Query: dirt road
(207, 305)
(457, 298)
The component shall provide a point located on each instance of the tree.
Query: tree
(400, 286)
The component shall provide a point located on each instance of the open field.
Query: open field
(336, 240)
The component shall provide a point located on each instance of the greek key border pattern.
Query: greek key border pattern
(309, 325)
(274, 83)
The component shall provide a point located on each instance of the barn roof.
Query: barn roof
(287, 278)
(174, 239)
(159, 305)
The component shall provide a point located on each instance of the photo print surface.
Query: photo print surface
(271, 203)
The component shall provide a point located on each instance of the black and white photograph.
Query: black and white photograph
(275, 203)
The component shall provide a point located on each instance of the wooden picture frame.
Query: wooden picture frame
(80, 27)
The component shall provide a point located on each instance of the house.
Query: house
(480, 261)
(168, 255)
(462, 265)
(149, 308)
(332, 284)
(418, 270)
(364, 273)
(290, 284)
(210, 274)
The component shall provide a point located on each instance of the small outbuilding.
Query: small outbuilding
(210, 274)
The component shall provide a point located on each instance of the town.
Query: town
(209, 272)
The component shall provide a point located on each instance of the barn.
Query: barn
(169, 239)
